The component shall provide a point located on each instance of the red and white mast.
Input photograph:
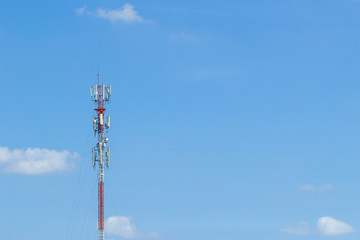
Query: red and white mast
(100, 95)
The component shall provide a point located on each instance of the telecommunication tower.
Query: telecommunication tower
(100, 94)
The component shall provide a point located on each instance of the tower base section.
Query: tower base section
(101, 235)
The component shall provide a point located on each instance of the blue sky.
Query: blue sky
(230, 119)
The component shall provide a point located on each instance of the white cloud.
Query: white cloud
(124, 227)
(126, 14)
(81, 10)
(301, 229)
(313, 188)
(325, 226)
(331, 226)
(34, 161)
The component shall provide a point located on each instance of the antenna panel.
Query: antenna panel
(93, 157)
(108, 157)
(103, 91)
(107, 122)
(94, 123)
(101, 116)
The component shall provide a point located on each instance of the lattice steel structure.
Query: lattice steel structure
(100, 94)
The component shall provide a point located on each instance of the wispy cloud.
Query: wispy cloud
(183, 36)
(124, 227)
(301, 229)
(35, 161)
(313, 188)
(81, 11)
(325, 226)
(125, 14)
(331, 226)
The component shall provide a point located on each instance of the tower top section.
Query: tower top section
(100, 94)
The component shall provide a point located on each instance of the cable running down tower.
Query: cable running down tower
(100, 95)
